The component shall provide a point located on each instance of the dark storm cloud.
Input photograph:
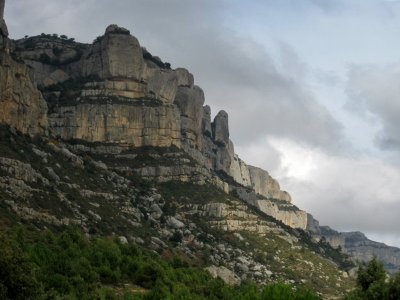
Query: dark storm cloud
(263, 96)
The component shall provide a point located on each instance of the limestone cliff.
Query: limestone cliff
(3, 26)
(114, 100)
(356, 244)
(22, 105)
(115, 92)
(265, 185)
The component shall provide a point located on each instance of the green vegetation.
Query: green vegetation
(147, 55)
(146, 157)
(190, 193)
(68, 265)
(68, 90)
(68, 93)
(374, 284)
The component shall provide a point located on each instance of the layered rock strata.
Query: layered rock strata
(356, 244)
(22, 105)
(115, 92)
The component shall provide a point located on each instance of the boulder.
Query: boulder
(123, 240)
(184, 77)
(228, 276)
(156, 209)
(52, 174)
(174, 223)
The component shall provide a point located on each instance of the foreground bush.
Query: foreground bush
(374, 284)
(67, 265)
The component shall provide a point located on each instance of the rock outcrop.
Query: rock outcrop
(220, 128)
(117, 123)
(114, 92)
(265, 185)
(113, 99)
(356, 244)
(22, 105)
(225, 274)
(190, 101)
(3, 26)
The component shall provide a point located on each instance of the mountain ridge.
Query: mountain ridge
(106, 116)
(151, 105)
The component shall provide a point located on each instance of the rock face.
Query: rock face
(190, 101)
(220, 128)
(266, 186)
(121, 55)
(281, 210)
(118, 123)
(118, 97)
(3, 26)
(287, 214)
(115, 92)
(22, 105)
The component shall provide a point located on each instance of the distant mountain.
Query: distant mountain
(356, 244)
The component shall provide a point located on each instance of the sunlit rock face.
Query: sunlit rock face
(266, 186)
(22, 105)
(115, 92)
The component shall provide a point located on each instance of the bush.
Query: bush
(372, 283)
(67, 265)
(17, 280)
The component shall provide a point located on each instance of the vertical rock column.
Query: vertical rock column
(2, 3)
(3, 27)
(220, 128)
(220, 134)
(21, 104)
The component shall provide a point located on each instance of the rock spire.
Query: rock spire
(3, 26)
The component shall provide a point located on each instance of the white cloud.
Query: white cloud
(374, 91)
(348, 193)
(254, 60)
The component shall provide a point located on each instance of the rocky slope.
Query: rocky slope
(113, 139)
(50, 184)
(114, 92)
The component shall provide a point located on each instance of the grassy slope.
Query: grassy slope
(302, 264)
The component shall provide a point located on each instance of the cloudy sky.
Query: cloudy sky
(312, 87)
